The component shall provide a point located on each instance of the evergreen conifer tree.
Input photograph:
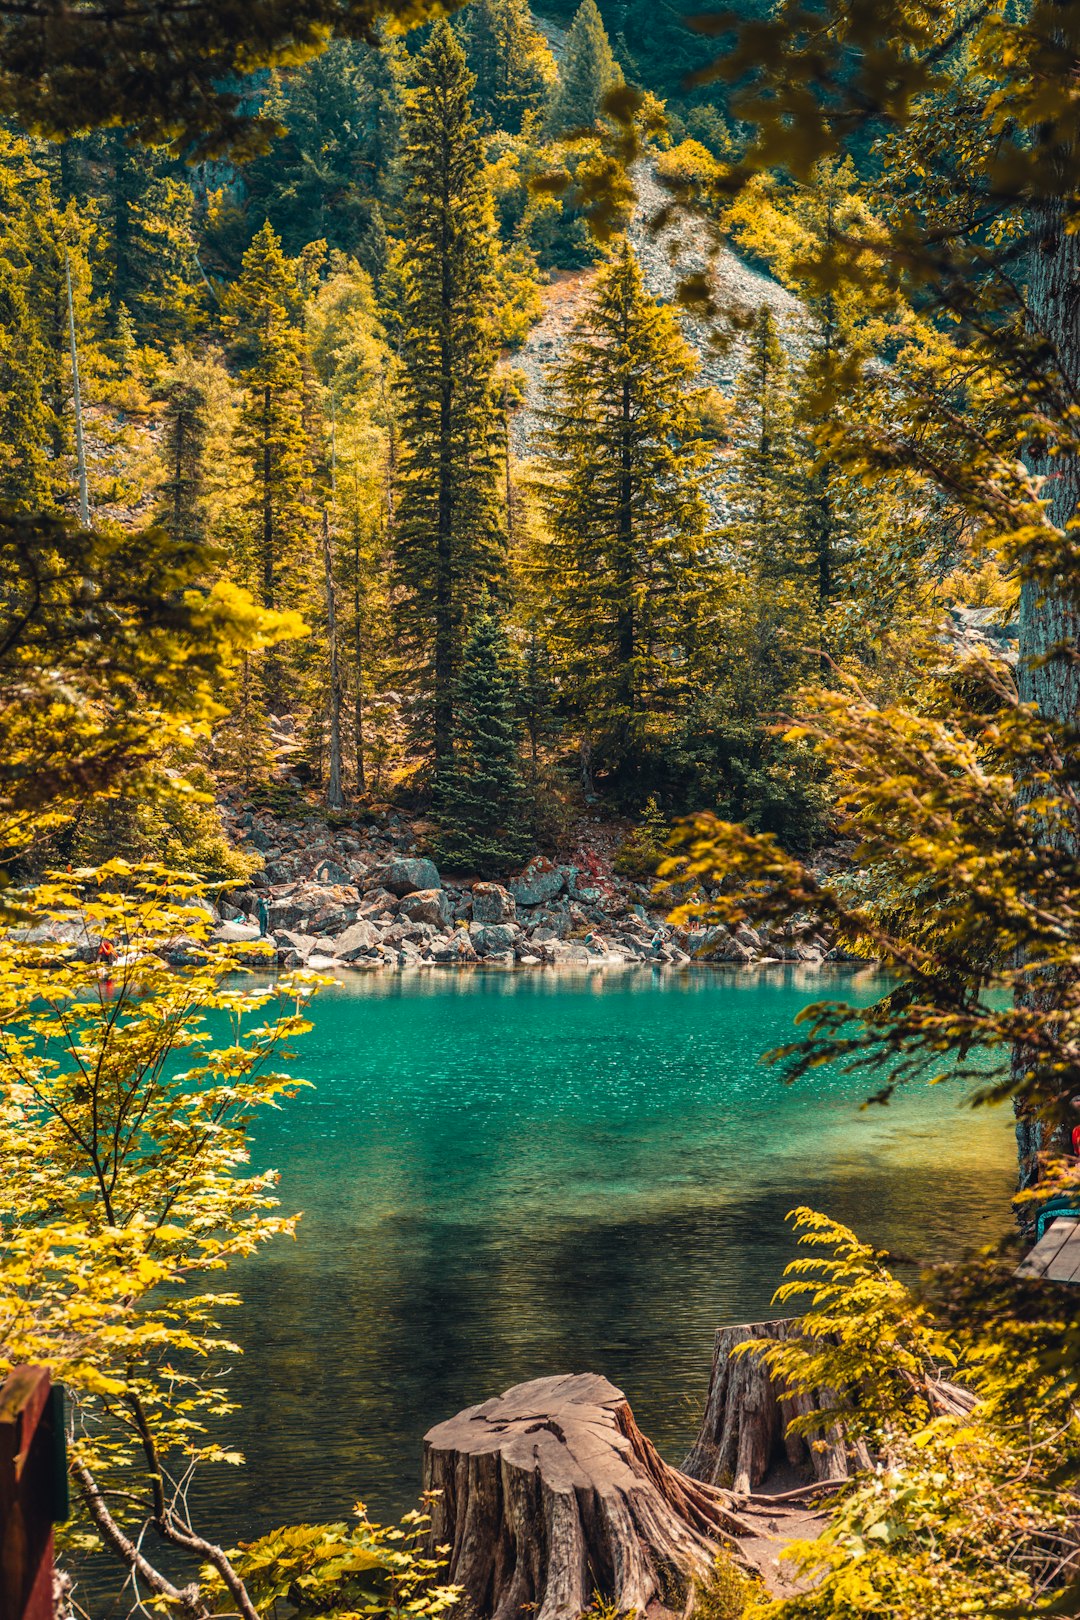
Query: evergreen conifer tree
(167, 289)
(182, 509)
(770, 473)
(481, 795)
(24, 417)
(623, 562)
(511, 59)
(335, 165)
(449, 545)
(264, 311)
(589, 70)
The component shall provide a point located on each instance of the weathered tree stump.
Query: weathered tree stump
(550, 1493)
(743, 1429)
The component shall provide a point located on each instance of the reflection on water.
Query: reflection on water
(510, 1174)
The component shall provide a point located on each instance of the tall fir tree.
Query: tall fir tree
(515, 70)
(769, 476)
(168, 293)
(24, 418)
(182, 508)
(481, 806)
(448, 539)
(623, 561)
(264, 314)
(589, 70)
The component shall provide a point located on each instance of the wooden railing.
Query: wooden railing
(33, 1491)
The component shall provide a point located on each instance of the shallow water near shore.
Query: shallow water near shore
(510, 1174)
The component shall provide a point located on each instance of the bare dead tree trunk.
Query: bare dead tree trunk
(334, 796)
(76, 400)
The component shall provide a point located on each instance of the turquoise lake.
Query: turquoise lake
(510, 1174)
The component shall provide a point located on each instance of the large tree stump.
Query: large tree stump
(743, 1429)
(550, 1493)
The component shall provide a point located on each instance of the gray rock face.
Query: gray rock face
(406, 874)
(490, 938)
(288, 940)
(359, 939)
(491, 903)
(540, 882)
(427, 906)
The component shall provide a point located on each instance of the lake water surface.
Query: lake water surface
(510, 1174)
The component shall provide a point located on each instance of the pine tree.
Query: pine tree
(449, 546)
(182, 494)
(513, 64)
(24, 419)
(769, 476)
(167, 288)
(589, 70)
(482, 794)
(264, 312)
(626, 518)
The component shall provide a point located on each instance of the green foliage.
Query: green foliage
(481, 801)
(175, 823)
(449, 544)
(621, 563)
(264, 316)
(642, 850)
(589, 71)
(970, 1496)
(726, 1593)
(333, 170)
(90, 697)
(864, 1339)
(181, 81)
(341, 1569)
(124, 1114)
(513, 64)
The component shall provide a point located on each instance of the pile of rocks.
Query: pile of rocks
(328, 900)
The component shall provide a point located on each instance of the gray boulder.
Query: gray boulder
(451, 949)
(428, 906)
(540, 882)
(236, 933)
(491, 903)
(359, 939)
(406, 874)
(331, 871)
(489, 938)
(288, 940)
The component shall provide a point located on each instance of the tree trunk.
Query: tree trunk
(76, 400)
(1049, 631)
(358, 670)
(743, 1428)
(550, 1493)
(334, 796)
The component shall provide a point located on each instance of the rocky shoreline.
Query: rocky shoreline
(369, 899)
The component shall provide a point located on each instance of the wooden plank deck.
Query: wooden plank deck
(1056, 1256)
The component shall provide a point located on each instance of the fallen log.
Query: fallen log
(550, 1493)
(743, 1433)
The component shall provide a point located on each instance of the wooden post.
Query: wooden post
(33, 1492)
